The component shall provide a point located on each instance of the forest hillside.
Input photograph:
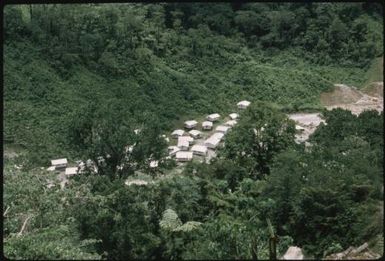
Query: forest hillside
(84, 81)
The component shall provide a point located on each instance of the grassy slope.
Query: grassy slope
(374, 74)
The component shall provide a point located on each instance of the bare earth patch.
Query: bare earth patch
(349, 98)
(308, 121)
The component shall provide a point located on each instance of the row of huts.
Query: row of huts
(181, 151)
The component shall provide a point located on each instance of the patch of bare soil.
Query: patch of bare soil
(342, 94)
(309, 123)
(375, 89)
(349, 98)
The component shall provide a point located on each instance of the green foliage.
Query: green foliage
(49, 231)
(49, 243)
(318, 196)
(170, 220)
(262, 132)
(226, 238)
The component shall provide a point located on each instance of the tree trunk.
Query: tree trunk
(30, 13)
(23, 226)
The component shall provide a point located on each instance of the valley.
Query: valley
(193, 131)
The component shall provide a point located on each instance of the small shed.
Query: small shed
(71, 171)
(222, 128)
(207, 125)
(190, 124)
(137, 131)
(59, 163)
(154, 164)
(137, 182)
(183, 144)
(234, 116)
(213, 117)
(184, 155)
(177, 133)
(218, 135)
(195, 133)
(52, 168)
(199, 150)
(189, 139)
(212, 142)
(231, 123)
(243, 104)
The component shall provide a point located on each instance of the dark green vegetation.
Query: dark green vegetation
(322, 198)
(79, 79)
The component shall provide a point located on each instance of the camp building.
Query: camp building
(207, 125)
(190, 124)
(59, 163)
(195, 133)
(184, 156)
(176, 133)
(243, 104)
(199, 150)
(222, 128)
(234, 116)
(71, 171)
(213, 117)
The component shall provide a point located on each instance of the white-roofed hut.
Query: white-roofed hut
(195, 133)
(234, 116)
(71, 171)
(222, 128)
(184, 156)
(243, 104)
(231, 123)
(212, 142)
(189, 139)
(177, 133)
(199, 150)
(183, 144)
(218, 135)
(190, 124)
(213, 117)
(59, 163)
(207, 125)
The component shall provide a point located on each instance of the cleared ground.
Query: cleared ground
(350, 98)
(308, 121)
